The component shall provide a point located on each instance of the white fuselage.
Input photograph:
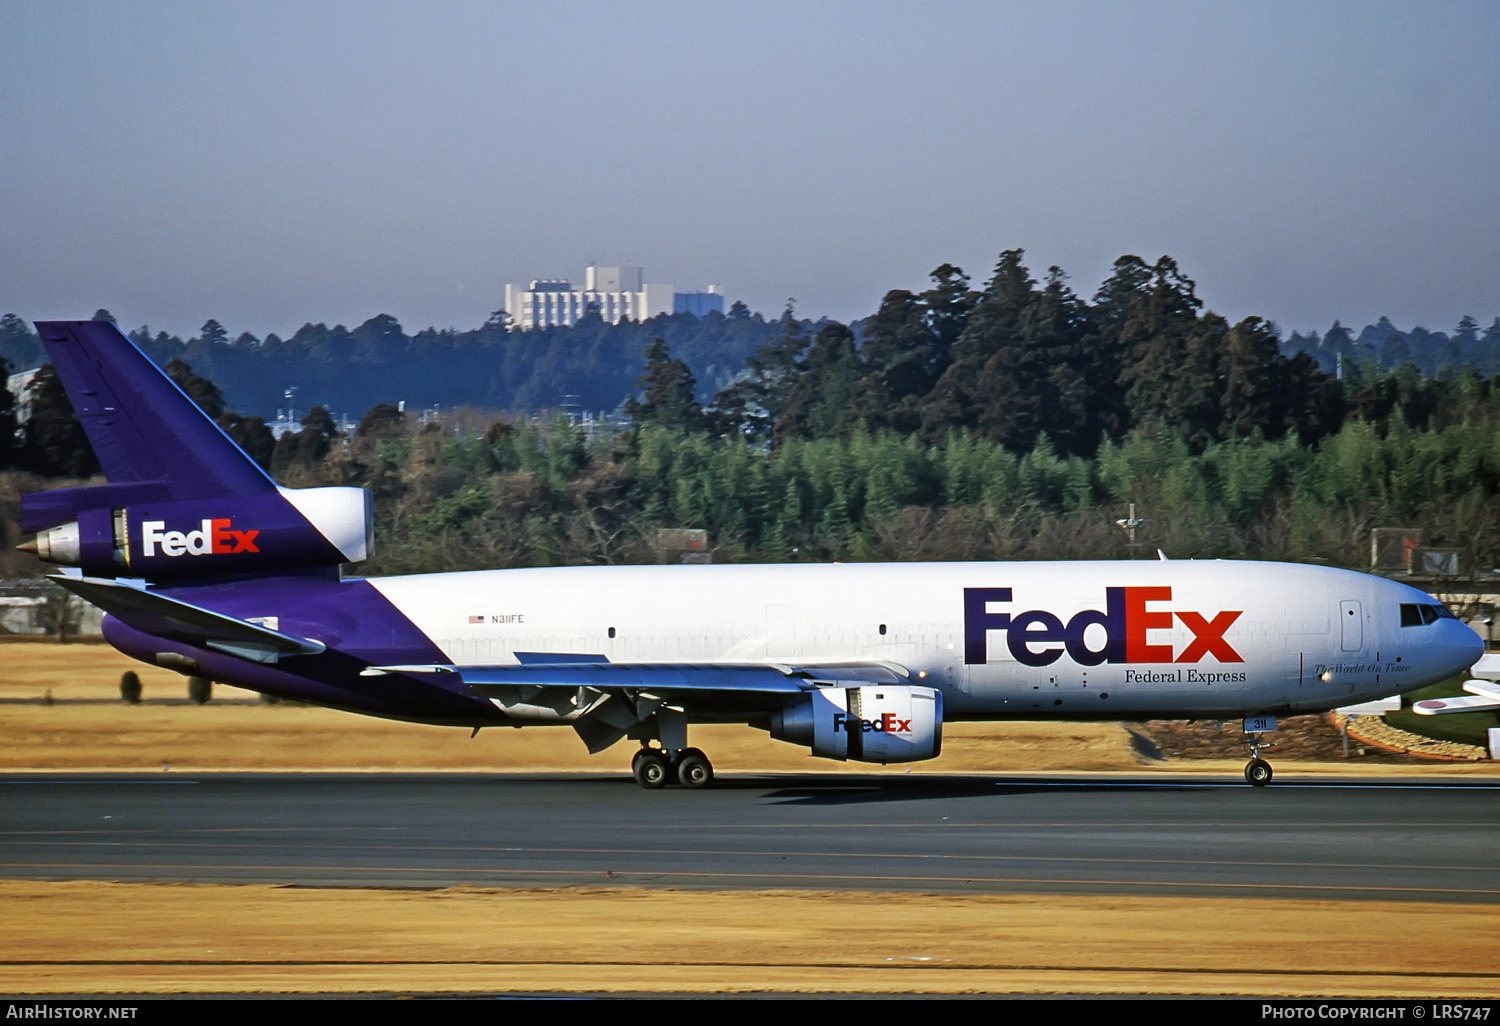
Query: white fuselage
(1115, 640)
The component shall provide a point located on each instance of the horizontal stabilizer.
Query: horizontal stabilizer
(157, 614)
(1483, 694)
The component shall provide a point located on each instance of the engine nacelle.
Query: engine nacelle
(285, 528)
(870, 723)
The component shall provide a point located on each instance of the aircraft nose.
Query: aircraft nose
(1460, 644)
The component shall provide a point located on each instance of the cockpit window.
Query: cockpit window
(1414, 614)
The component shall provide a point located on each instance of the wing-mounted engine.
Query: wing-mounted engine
(868, 723)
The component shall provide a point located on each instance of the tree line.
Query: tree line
(911, 338)
(1020, 361)
(348, 370)
(1010, 420)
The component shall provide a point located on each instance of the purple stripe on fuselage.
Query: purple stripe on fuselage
(357, 623)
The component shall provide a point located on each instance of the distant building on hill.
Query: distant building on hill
(699, 304)
(616, 292)
(17, 384)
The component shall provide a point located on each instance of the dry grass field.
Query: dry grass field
(103, 937)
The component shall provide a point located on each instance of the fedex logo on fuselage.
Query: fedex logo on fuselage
(214, 536)
(1037, 637)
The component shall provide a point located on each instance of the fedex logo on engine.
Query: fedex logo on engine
(887, 724)
(213, 537)
(1037, 637)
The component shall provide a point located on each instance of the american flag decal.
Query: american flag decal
(476, 619)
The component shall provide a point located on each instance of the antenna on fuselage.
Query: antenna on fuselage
(1130, 523)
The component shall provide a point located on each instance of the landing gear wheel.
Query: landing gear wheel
(1258, 772)
(651, 768)
(694, 770)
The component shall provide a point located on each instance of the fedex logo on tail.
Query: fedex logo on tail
(213, 537)
(1038, 638)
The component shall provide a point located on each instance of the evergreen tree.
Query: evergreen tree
(1055, 354)
(199, 389)
(212, 334)
(1336, 347)
(893, 341)
(1314, 400)
(820, 401)
(908, 345)
(1168, 362)
(308, 447)
(252, 435)
(751, 406)
(982, 356)
(668, 392)
(381, 421)
(1488, 361)
(10, 443)
(1251, 400)
(1465, 340)
(1116, 305)
(53, 440)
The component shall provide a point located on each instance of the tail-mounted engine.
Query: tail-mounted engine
(870, 723)
(278, 529)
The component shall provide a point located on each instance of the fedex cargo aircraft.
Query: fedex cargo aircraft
(206, 566)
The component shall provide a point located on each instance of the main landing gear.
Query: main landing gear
(658, 767)
(1257, 770)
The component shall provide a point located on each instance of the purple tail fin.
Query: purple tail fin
(182, 500)
(142, 426)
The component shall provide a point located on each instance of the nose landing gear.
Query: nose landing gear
(1257, 770)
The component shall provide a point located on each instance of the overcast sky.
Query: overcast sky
(273, 163)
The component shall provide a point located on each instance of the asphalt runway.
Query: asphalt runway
(1355, 840)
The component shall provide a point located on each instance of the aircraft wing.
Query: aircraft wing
(1483, 694)
(605, 701)
(160, 615)
(679, 678)
(545, 670)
